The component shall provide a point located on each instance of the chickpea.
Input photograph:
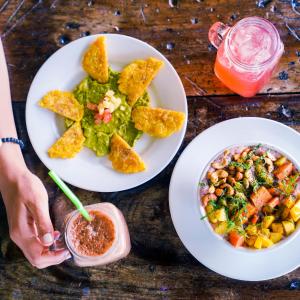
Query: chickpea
(246, 183)
(231, 180)
(232, 172)
(219, 192)
(211, 189)
(214, 178)
(250, 162)
(231, 168)
(239, 176)
(209, 174)
(236, 156)
(239, 169)
(222, 173)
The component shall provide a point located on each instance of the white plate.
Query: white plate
(63, 71)
(197, 236)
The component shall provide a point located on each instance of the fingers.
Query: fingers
(40, 214)
(50, 258)
(41, 257)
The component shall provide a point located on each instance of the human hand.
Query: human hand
(30, 226)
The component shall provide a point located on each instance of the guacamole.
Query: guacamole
(98, 136)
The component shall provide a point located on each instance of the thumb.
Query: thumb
(43, 224)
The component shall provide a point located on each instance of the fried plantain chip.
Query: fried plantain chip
(157, 122)
(124, 159)
(136, 77)
(95, 60)
(69, 144)
(64, 104)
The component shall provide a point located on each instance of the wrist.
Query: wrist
(12, 164)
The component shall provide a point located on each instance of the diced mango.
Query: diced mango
(211, 213)
(251, 229)
(251, 240)
(258, 243)
(266, 242)
(221, 228)
(275, 237)
(289, 201)
(265, 232)
(280, 161)
(267, 221)
(288, 227)
(285, 213)
(220, 214)
(295, 211)
(277, 227)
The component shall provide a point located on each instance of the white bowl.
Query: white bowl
(197, 236)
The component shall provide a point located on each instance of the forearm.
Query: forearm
(11, 159)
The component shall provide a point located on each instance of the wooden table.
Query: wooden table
(159, 266)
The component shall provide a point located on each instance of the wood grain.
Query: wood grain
(33, 30)
(159, 266)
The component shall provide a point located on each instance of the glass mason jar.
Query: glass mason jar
(120, 246)
(247, 54)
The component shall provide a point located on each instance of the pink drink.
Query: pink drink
(248, 54)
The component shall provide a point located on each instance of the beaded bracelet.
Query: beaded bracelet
(12, 140)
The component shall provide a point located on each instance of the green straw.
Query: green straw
(74, 199)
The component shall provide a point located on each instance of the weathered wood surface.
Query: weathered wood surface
(33, 30)
(159, 266)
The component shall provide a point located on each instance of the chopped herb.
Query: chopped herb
(239, 187)
(202, 184)
(288, 185)
(244, 166)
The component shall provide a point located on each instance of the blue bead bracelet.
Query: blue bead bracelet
(13, 140)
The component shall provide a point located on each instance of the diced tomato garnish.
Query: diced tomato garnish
(92, 106)
(107, 116)
(235, 238)
(98, 118)
(254, 219)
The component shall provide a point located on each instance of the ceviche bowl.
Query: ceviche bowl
(276, 252)
(226, 205)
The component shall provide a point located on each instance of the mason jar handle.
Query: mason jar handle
(217, 32)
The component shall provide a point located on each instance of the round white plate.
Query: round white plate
(197, 236)
(63, 71)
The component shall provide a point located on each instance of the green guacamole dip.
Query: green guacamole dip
(98, 136)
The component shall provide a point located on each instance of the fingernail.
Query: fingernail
(47, 238)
